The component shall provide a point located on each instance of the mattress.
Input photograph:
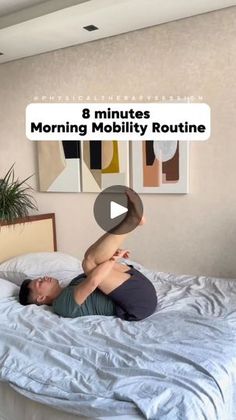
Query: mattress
(180, 363)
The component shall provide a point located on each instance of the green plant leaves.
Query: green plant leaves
(15, 200)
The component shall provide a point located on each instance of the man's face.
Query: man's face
(43, 289)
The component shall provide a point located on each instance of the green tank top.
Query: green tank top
(96, 304)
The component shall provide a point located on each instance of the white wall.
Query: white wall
(193, 233)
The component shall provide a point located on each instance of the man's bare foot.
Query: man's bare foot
(134, 211)
(142, 221)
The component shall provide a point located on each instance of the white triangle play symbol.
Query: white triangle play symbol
(116, 210)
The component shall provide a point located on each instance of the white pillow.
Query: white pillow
(62, 266)
(13, 277)
(8, 289)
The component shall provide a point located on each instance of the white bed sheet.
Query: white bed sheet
(178, 364)
(14, 406)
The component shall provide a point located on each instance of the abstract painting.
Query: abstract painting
(160, 167)
(59, 166)
(104, 163)
(82, 166)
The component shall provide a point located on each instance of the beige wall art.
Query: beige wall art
(91, 166)
(160, 167)
(82, 166)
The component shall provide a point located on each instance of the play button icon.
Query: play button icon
(118, 209)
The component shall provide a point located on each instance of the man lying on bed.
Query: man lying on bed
(105, 288)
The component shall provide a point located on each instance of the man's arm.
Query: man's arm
(95, 277)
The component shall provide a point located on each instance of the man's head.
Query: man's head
(41, 291)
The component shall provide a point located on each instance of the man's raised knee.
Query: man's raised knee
(88, 264)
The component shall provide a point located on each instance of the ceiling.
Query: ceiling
(11, 6)
(30, 27)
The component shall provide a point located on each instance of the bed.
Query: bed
(180, 363)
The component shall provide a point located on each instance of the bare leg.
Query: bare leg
(111, 282)
(104, 277)
(122, 268)
(107, 278)
(105, 247)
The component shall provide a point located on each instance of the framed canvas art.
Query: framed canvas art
(160, 167)
(82, 166)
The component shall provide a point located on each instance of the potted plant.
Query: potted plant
(15, 200)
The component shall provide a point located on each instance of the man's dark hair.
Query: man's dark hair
(24, 295)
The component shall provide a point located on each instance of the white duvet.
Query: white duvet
(180, 363)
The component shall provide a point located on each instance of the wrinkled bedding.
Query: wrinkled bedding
(180, 363)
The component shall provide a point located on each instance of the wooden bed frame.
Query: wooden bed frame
(31, 234)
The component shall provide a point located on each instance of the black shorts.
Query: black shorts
(136, 298)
